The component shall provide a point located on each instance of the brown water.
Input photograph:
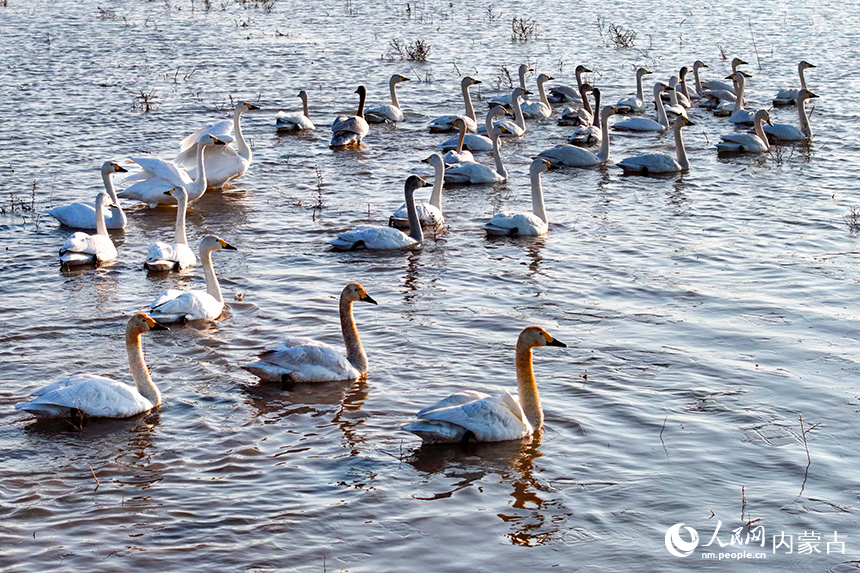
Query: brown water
(703, 312)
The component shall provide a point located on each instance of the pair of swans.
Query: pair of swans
(390, 113)
(158, 176)
(789, 96)
(444, 124)
(702, 87)
(646, 123)
(574, 156)
(296, 121)
(223, 163)
(459, 149)
(747, 142)
(676, 106)
(90, 395)
(307, 360)
(83, 215)
(786, 132)
(173, 305)
(661, 163)
(584, 115)
(511, 127)
(177, 256)
(376, 237)
(349, 130)
(589, 134)
(567, 94)
(473, 415)
(472, 173)
(740, 115)
(429, 214)
(84, 249)
(634, 104)
(531, 224)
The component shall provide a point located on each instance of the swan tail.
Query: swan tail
(345, 139)
(71, 259)
(160, 265)
(729, 147)
(265, 371)
(42, 410)
(437, 432)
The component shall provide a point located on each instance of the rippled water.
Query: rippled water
(703, 312)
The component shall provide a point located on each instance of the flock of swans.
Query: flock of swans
(206, 159)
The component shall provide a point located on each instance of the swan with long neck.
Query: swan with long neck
(646, 123)
(785, 132)
(349, 130)
(470, 415)
(789, 96)
(83, 215)
(469, 141)
(674, 107)
(390, 113)
(505, 100)
(83, 249)
(478, 173)
(298, 360)
(748, 142)
(180, 306)
(223, 163)
(92, 396)
(376, 237)
(429, 214)
(573, 156)
(517, 126)
(443, 124)
(177, 256)
(581, 116)
(590, 134)
(540, 108)
(634, 104)
(524, 224)
(567, 94)
(658, 163)
(717, 85)
(159, 176)
(739, 114)
(291, 122)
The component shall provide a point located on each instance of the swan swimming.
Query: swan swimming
(786, 132)
(646, 123)
(477, 173)
(390, 113)
(540, 108)
(634, 104)
(349, 130)
(524, 224)
(789, 96)
(429, 214)
(95, 396)
(658, 163)
(747, 142)
(83, 215)
(471, 415)
(444, 123)
(83, 249)
(296, 121)
(567, 94)
(739, 114)
(307, 360)
(583, 115)
(573, 156)
(177, 256)
(590, 134)
(505, 99)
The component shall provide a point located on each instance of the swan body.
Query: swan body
(386, 238)
(646, 123)
(83, 215)
(739, 114)
(473, 415)
(100, 397)
(444, 123)
(223, 163)
(83, 249)
(429, 214)
(478, 173)
(454, 147)
(747, 142)
(505, 100)
(675, 107)
(307, 360)
(658, 163)
(179, 306)
(524, 224)
(349, 130)
(590, 134)
(786, 132)
(573, 156)
(508, 127)
(159, 176)
(540, 108)
(717, 84)
(634, 104)
(298, 120)
(390, 113)
(788, 96)
(567, 94)
(177, 256)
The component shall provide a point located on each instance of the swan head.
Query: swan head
(246, 106)
(682, 73)
(517, 93)
(804, 93)
(699, 64)
(211, 243)
(469, 81)
(209, 139)
(738, 62)
(178, 192)
(303, 95)
(580, 69)
(142, 322)
(682, 121)
(539, 165)
(543, 78)
(104, 200)
(642, 72)
(525, 68)
(609, 110)
(355, 292)
(496, 111)
(537, 336)
(414, 182)
(673, 81)
(804, 64)
(112, 167)
(659, 87)
(397, 78)
(585, 89)
(435, 160)
(361, 91)
(762, 115)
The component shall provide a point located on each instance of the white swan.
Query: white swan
(472, 415)
(540, 108)
(457, 154)
(429, 214)
(524, 224)
(388, 113)
(689, 93)
(83, 215)
(95, 396)
(179, 306)
(573, 156)
(349, 130)
(83, 249)
(580, 116)
(716, 85)
(160, 176)
(747, 142)
(646, 123)
(634, 104)
(166, 257)
(477, 173)
(589, 134)
(505, 100)
(386, 238)
(786, 132)
(674, 108)
(656, 163)
(679, 97)
(296, 120)
(443, 124)
(789, 96)
(739, 114)
(565, 94)
(511, 127)
(697, 82)
(223, 164)
(306, 360)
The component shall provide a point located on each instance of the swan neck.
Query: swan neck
(362, 97)
(542, 93)
(538, 207)
(212, 285)
(467, 99)
(527, 387)
(305, 106)
(800, 70)
(680, 151)
(520, 120)
(200, 181)
(179, 236)
(436, 194)
(392, 88)
(684, 89)
(461, 138)
(415, 230)
(759, 131)
(739, 92)
(497, 155)
(101, 226)
(522, 74)
(639, 93)
(139, 372)
(579, 73)
(108, 181)
(603, 154)
(354, 350)
(661, 111)
(805, 126)
(586, 104)
(596, 113)
(241, 145)
(696, 81)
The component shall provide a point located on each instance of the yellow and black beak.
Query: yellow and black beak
(367, 298)
(423, 183)
(217, 141)
(553, 342)
(150, 322)
(811, 94)
(251, 106)
(426, 160)
(477, 81)
(227, 246)
(404, 79)
(120, 169)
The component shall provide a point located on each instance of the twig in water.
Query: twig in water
(94, 477)
(743, 502)
(712, 513)
(754, 46)
(803, 435)
(661, 434)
